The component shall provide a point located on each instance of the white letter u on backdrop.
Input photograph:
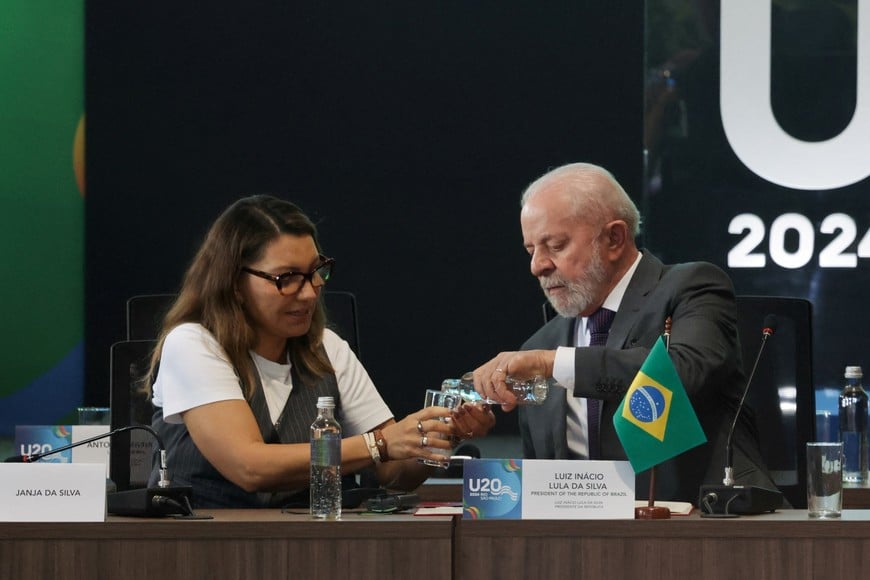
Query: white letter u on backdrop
(747, 115)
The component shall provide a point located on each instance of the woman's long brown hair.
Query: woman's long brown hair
(208, 294)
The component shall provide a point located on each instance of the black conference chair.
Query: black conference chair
(548, 311)
(131, 451)
(343, 317)
(782, 394)
(145, 314)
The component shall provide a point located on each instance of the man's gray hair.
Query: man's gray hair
(595, 194)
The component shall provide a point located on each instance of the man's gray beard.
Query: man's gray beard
(581, 293)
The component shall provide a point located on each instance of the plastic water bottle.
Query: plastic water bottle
(325, 462)
(853, 427)
(531, 392)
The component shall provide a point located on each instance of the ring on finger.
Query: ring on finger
(424, 441)
(420, 426)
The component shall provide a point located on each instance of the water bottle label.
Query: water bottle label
(326, 450)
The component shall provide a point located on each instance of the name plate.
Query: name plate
(52, 492)
(33, 439)
(539, 489)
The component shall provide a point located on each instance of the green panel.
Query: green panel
(41, 209)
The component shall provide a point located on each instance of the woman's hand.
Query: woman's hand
(411, 436)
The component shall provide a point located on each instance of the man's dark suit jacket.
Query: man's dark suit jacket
(705, 349)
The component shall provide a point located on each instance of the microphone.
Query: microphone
(164, 500)
(729, 500)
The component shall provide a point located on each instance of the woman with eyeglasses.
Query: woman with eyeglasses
(244, 355)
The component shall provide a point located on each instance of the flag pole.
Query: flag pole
(650, 511)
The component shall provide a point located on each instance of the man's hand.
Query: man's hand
(472, 420)
(489, 378)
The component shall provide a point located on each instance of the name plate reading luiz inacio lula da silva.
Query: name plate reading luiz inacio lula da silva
(541, 489)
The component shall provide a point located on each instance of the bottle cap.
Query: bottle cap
(326, 402)
(854, 373)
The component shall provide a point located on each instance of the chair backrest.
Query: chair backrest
(343, 317)
(130, 452)
(145, 314)
(782, 392)
(548, 311)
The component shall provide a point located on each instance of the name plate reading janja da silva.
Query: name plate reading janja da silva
(539, 489)
(52, 492)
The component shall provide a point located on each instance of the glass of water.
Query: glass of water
(824, 479)
(440, 399)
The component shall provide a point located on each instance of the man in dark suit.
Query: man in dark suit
(579, 228)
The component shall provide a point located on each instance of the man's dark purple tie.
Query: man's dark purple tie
(599, 327)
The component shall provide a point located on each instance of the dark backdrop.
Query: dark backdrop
(407, 130)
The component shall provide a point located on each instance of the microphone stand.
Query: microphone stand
(651, 511)
(729, 500)
(164, 472)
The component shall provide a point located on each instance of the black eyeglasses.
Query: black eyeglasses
(292, 282)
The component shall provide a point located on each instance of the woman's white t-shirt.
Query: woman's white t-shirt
(194, 370)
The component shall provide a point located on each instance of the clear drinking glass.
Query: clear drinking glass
(440, 399)
(824, 479)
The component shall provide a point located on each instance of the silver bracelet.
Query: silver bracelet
(373, 447)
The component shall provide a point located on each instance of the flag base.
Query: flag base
(652, 512)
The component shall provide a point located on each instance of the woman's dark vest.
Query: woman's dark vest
(187, 466)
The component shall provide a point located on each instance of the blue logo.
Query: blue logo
(492, 489)
(647, 403)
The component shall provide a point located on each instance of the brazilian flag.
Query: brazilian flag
(655, 421)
